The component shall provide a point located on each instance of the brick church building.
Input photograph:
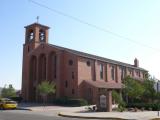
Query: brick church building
(76, 74)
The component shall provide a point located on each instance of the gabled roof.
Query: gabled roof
(95, 57)
(103, 84)
(37, 24)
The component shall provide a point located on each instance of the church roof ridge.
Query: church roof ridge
(83, 54)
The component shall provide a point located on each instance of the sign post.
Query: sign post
(103, 105)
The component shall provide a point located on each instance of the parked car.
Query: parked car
(6, 103)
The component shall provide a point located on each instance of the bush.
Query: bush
(17, 99)
(118, 99)
(61, 101)
(77, 102)
(146, 106)
(70, 102)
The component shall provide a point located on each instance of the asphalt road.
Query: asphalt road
(31, 115)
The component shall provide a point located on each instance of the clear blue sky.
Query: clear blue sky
(135, 19)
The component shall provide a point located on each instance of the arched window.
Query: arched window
(33, 66)
(30, 35)
(72, 75)
(113, 72)
(101, 71)
(52, 66)
(66, 83)
(42, 67)
(41, 35)
(32, 78)
(122, 70)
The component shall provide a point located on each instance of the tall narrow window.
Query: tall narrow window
(88, 63)
(55, 70)
(101, 71)
(42, 67)
(112, 72)
(66, 83)
(106, 72)
(28, 49)
(72, 91)
(131, 72)
(122, 69)
(72, 75)
(144, 75)
(139, 74)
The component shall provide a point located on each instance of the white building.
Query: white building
(157, 86)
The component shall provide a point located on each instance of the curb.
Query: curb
(155, 119)
(24, 109)
(85, 117)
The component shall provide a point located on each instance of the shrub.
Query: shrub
(118, 99)
(70, 102)
(146, 106)
(77, 102)
(61, 101)
(17, 99)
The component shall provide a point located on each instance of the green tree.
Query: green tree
(45, 88)
(116, 96)
(133, 88)
(150, 92)
(119, 100)
(8, 92)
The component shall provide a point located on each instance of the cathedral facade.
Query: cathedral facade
(76, 74)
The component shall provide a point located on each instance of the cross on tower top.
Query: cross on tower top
(37, 19)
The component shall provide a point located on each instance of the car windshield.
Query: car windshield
(5, 99)
(10, 102)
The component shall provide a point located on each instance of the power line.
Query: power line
(92, 25)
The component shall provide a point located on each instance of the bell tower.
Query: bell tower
(35, 34)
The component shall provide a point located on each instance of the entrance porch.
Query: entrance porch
(100, 93)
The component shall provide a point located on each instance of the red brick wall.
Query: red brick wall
(64, 71)
(85, 72)
(84, 92)
(67, 73)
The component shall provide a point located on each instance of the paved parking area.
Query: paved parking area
(81, 112)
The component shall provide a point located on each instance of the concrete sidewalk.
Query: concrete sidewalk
(81, 112)
(41, 107)
(148, 115)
